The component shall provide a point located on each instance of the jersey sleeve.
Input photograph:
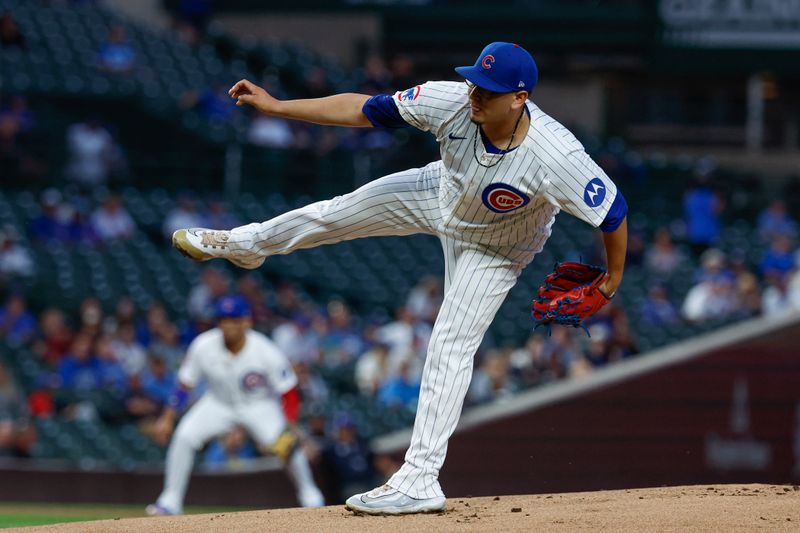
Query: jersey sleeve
(280, 374)
(381, 110)
(577, 185)
(430, 105)
(190, 373)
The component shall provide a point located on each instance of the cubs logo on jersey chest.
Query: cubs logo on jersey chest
(502, 198)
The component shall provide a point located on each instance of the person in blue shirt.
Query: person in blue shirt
(80, 369)
(702, 209)
(402, 390)
(228, 450)
(158, 382)
(17, 325)
(116, 55)
(112, 375)
(779, 257)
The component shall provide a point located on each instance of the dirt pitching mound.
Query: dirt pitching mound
(696, 508)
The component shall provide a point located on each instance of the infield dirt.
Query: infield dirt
(696, 508)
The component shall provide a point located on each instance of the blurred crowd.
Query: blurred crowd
(119, 365)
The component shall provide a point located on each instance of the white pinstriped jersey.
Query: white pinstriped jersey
(513, 199)
(258, 372)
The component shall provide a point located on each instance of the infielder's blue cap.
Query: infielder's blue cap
(503, 68)
(231, 307)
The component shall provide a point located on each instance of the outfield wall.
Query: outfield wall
(721, 408)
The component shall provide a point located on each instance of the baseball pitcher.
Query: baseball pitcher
(506, 170)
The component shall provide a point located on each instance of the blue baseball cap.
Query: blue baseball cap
(503, 68)
(231, 307)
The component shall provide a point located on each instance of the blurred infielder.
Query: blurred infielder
(250, 384)
(506, 170)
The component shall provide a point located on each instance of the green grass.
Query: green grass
(38, 514)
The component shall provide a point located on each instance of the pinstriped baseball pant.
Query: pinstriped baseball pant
(477, 280)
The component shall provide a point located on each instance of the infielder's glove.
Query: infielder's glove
(570, 294)
(286, 443)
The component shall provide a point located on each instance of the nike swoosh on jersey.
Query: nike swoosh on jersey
(454, 138)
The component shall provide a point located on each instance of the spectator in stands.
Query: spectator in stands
(55, 337)
(702, 210)
(528, 365)
(218, 215)
(399, 335)
(146, 329)
(560, 351)
(401, 391)
(140, 406)
(636, 249)
(18, 150)
(491, 380)
(748, 290)
(20, 113)
(124, 315)
(10, 36)
(780, 256)
(191, 19)
(298, 340)
(15, 260)
(249, 286)
(425, 299)
(663, 258)
(312, 387)
(112, 375)
(288, 303)
(117, 54)
(213, 285)
(775, 220)
(316, 83)
(183, 215)
(47, 225)
(17, 434)
(127, 350)
(348, 459)
(622, 341)
(79, 370)
(157, 380)
(377, 78)
(17, 325)
(598, 350)
(271, 132)
(402, 70)
(93, 154)
(91, 317)
(111, 221)
(228, 451)
(166, 345)
(213, 103)
(712, 262)
(341, 344)
(778, 300)
(657, 309)
(712, 298)
(373, 369)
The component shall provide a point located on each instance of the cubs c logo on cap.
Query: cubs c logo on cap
(487, 61)
(502, 198)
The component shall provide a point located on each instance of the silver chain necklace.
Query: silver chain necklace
(502, 155)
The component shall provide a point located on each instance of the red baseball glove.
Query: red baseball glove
(570, 294)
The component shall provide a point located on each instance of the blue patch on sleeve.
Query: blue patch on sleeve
(177, 400)
(382, 112)
(616, 214)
